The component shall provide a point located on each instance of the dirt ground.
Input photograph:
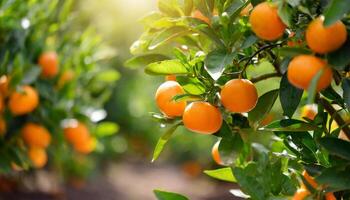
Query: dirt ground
(135, 181)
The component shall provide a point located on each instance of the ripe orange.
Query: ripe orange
(4, 85)
(48, 61)
(24, 101)
(85, 146)
(310, 179)
(36, 135)
(38, 156)
(309, 111)
(239, 95)
(170, 78)
(65, 77)
(192, 168)
(2, 104)
(202, 117)
(3, 126)
(265, 22)
(323, 39)
(291, 42)
(330, 196)
(303, 68)
(76, 133)
(301, 194)
(164, 99)
(198, 15)
(215, 153)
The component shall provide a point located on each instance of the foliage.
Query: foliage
(207, 51)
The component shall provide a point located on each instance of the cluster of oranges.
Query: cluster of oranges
(302, 69)
(26, 99)
(303, 192)
(78, 135)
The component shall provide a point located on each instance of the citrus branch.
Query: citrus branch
(265, 76)
(340, 121)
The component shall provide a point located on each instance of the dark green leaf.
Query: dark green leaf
(166, 67)
(312, 90)
(289, 125)
(336, 147)
(31, 75)
(346, 91)
(338, 179)
(336, 11)
(292, 51)
(250, 40)
(216, 61)
(224, 174)
(230, 147)
(289, 96)
(340, 58)
(262, 108)
(285, 13)
(163, 195)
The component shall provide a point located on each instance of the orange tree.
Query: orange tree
(214, 48)
(52, 87)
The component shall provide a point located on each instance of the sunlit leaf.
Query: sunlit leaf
(166, 67)
(224, 174)
(163, 195)
(289, 125)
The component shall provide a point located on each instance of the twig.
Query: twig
(264, 77)
(340, 121)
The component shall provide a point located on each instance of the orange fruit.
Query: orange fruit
(198, 15)
(85, 146)
(202, 117)
(192, 168)
(301, 194)
(309, 111)
(164, 99)
(65, 77)
(38, 156)
(170, 78)
(48, 61)
(268, 119)
(36, 135)
(2, 104)
(291, 42)
(309, 179)
(4, 85)
(323, 39)
(265, 22)
(303, 68)
(3, 126)
(76, 133)
(215, 153)
(245, 11)
(24, 101)
(239, 95)
(330, 196)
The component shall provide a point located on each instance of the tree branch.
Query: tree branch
(264, 77)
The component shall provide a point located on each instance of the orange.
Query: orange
(36, 135)
(301, 194)
(323, 39)
(65, 77)
(4, 85)
(291, 42)
(265, 22)
(239, 95)
(309, 179)
(330, 196)
(198, 15)
(170, 78)
(24, 101)
(303, 68)
(48, 61)
(245, 11)
(2, 104)
(164, 99)
(76, 133)
(3, 126)
(192, 168)
(85, 146)
(268, 119)
(38, 156)
(309, 111)
(215, 153)
(202, 117)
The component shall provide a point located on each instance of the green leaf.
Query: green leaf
(340, 58)
(262, 108)
(336, 147)
(168, 35)
(166, 67)
(285, 13)
(108, 76)
(163, 195)
(31, 75)
(289, 125)
(191, 85)
(186, 97)
(312, 90)
(230, 147)
(289, 96)
(104, 129)
(223, 174)
(169, 7)
(144, 60)
(335, 178)
(163, 140)
(335, 11)
(346, 91)
(216, 62)
(249, 41)
(292, 51)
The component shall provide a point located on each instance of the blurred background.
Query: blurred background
(120, 167)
